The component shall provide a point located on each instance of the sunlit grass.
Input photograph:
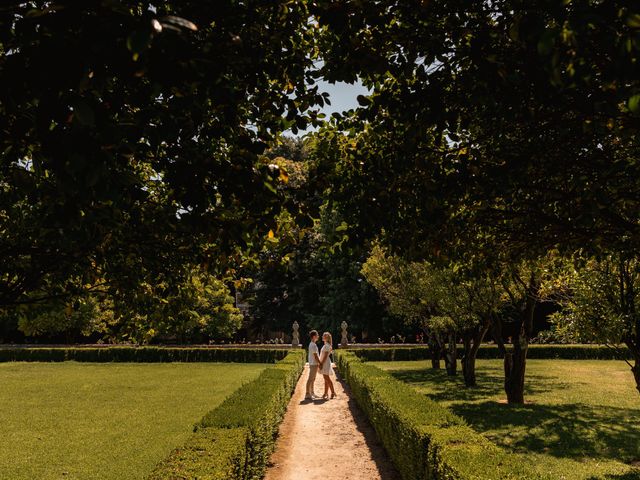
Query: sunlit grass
(581, 420)
(104, 421)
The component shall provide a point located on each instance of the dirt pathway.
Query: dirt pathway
(330, 439)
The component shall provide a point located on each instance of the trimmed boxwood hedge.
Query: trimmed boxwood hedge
(569, 352)
(425, 440)
(142, 354)
(390, 354)
(234, 440)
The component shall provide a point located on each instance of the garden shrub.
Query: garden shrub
(390, 354)
(235, 440)
(425, 440)
(142, 354)
(207, 454)
(568, 352)
(32, 354)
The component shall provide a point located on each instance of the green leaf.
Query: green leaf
(546, 42)
(138, 41)
(514, 31)
(364, 101)
(633, 20)
(270, 186)
(83, 113)
(634, 103)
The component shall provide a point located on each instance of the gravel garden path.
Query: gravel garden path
(327, 440)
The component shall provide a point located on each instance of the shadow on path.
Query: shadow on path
(378, 453)
(322, 439)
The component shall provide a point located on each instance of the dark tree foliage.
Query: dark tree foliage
(517, 118)
(133, 138)
(130, 135)
(319, 289)
(495, 132)
(310, 270)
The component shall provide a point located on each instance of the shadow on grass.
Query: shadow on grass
(451, 389)
(620, 476)
(574, 430)
(571, 430)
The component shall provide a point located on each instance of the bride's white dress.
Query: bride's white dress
(326, 365)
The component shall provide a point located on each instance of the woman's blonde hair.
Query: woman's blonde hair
(328, 335)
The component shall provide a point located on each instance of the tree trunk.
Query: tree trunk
(472, 341)
(509, 372)
(435, 359)
(435, 349)
(451, 357)
(468, 362)
(515, 362)
(634, 346)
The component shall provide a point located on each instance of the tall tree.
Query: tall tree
(310, 269)
(506, 127)
(195, 307)
(519, 116)
(130, 135)
(522, 284)
(447, 301)
(601, 300)
(409, 290)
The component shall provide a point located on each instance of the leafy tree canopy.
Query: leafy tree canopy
(131, 134)
(601, 300)
(516, 118)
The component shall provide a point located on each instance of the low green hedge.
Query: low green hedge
(569, 352)
(235, 440)
(142, 354)
(390, 354)
(425, 440)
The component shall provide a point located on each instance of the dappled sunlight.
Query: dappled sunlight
(579, 416)
(572, 430)
(443, 387)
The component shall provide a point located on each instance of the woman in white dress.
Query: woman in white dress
(325, 365)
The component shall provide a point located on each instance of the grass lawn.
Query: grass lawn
(582, 419)
(104, 420)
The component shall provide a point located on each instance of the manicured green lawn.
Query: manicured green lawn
(104, 421)
(582, 420)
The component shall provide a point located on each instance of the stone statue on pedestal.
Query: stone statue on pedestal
(295, 337)
(344, 341)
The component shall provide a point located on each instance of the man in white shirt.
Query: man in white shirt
(314, 363)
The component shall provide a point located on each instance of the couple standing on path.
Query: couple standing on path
(320, 361)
